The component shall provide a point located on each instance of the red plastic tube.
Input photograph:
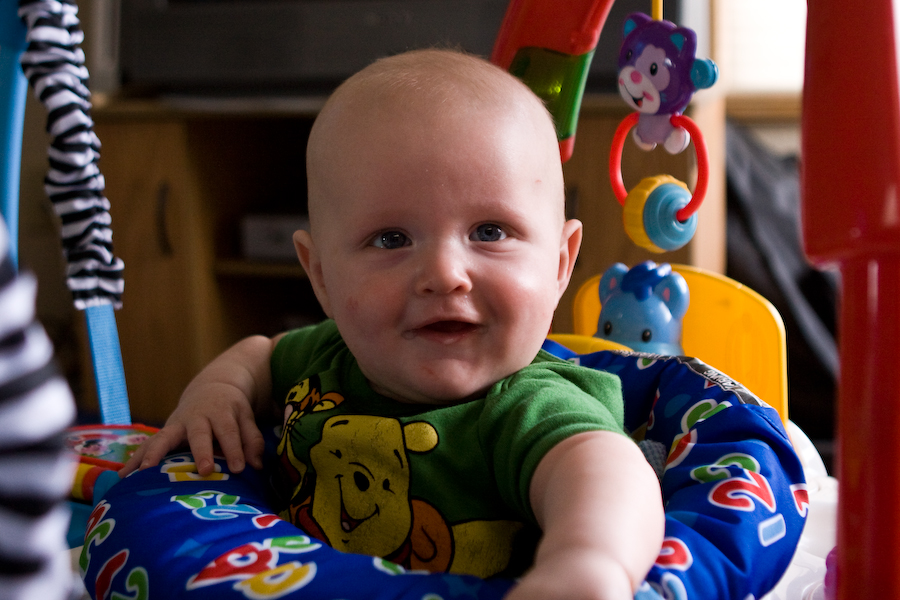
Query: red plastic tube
(850, 180)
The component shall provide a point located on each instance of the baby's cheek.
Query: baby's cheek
(532, 307)
(352, 305)
(357, 304)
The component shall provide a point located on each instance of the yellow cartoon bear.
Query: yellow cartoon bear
(360, 501)
(361, 496)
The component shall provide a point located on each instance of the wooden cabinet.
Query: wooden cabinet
(179, 184)
(170, 320)
(181, 180)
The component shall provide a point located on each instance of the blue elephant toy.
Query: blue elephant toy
(642, 307)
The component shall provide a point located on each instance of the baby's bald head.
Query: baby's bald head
(418, 92)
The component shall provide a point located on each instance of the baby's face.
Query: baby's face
(442, 250)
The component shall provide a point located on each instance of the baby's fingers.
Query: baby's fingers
(134, 462)
(200, 439)
(254, 444)
(228, 434)
(152, 451)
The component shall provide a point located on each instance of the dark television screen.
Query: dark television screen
(303, 46)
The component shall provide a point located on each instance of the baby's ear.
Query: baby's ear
(312, 264)
(570, 244)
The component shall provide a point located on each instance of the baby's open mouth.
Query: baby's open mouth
(445, 331)
(449, 327)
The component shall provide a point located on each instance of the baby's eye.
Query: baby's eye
(489, 232)
(389, 240)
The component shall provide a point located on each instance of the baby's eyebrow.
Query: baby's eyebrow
(341, 422)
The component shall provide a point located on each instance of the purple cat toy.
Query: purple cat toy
(658, 75)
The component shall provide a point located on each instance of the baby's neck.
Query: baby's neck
(425, 400)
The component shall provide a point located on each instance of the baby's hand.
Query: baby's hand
(218, 415)
(577, 574)
(217, 405)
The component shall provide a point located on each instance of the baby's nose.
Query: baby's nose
(636, 76)
(444, 271)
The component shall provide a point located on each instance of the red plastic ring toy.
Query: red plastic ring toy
(615, 161)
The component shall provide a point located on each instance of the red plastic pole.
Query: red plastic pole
(851, 218)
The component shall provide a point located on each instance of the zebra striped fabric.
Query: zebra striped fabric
(35, 470)
(53, 62)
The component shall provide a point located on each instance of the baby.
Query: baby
(422, 423)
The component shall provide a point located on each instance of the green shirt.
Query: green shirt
(442, 488)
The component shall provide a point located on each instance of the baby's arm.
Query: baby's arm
(221, 402)
(599, 504)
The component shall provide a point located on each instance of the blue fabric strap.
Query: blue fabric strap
(108, 370)
(13, 90)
